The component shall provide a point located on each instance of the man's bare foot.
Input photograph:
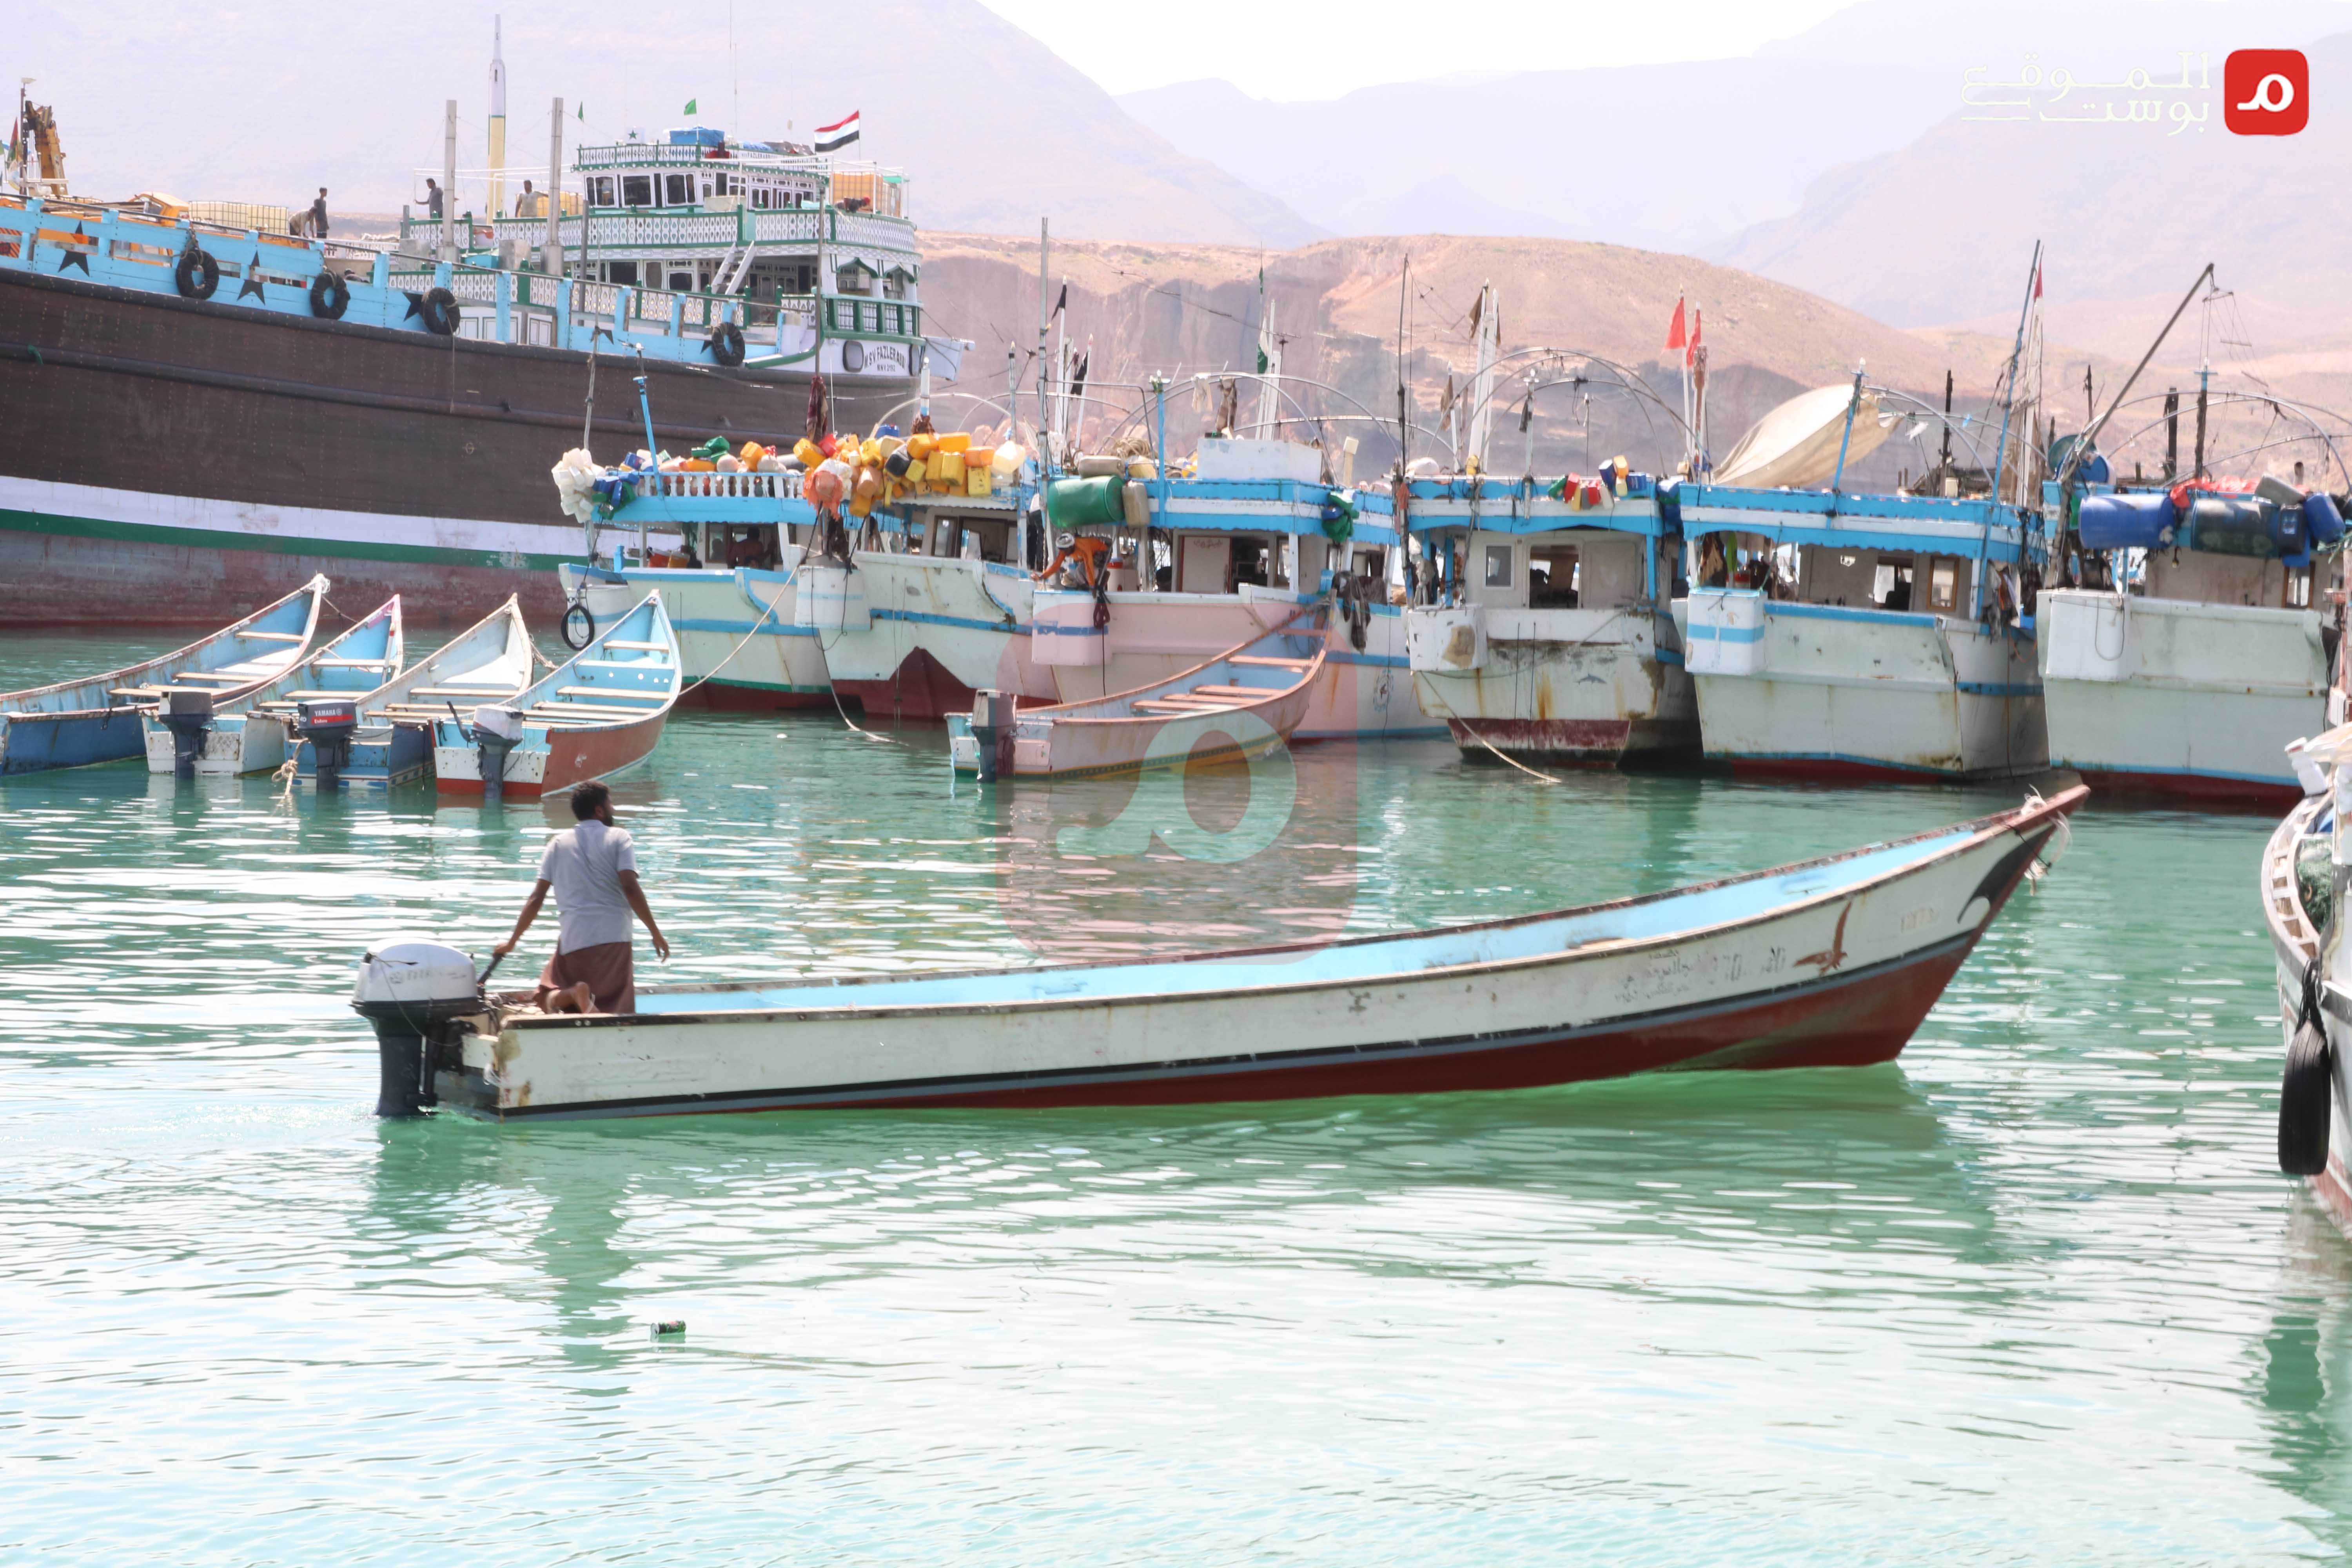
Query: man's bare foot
(584, 997)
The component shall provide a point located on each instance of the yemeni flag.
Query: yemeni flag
(833, 138)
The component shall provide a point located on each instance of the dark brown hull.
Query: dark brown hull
(401, 462)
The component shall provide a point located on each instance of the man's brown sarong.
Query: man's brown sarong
(608, 968)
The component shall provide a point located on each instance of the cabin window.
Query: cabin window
(681, 190)
(1498, 565)
(1943, 584)
(2298, 588)
(681, 282)
(620, 272)
(638, 191)
(599, 191)
(1552, 577)
(1891, 584)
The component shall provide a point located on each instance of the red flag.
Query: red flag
(1690, 354)
(2037, 280)
(1675, 335)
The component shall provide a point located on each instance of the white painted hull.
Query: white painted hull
(236, 743)
(1365, 694)
(1835, 691)
(2180, 697)
(2295, 946)
(1833, 963)
(1599, 685)
(737, 629)
(915, 636)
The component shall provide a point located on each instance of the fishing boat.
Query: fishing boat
(380, 407)
(1554, 635)
(392, 738)
(1168, 570)
(1832, 962)
(597, 713)
(75, 723)
(254, 733)
(2303, 875)
(2196, 650)
(1243, 703)
(728, 575)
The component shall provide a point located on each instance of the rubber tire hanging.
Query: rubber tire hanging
(726, 344)
(2306, 1092)
(197, 275)
(329, 296)
(439, 311)
(578, 614)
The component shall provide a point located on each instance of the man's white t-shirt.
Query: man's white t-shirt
(585, 865)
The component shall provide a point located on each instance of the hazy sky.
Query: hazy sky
(1313, 49)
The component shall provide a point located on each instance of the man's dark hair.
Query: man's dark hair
(587, 798)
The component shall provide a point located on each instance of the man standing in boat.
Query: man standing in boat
(592, 868)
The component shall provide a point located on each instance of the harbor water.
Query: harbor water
(2034, 1293)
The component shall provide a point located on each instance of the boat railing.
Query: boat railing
(700, 486)
(667, 233)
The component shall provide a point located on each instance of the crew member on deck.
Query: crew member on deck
(592, 867)
(319, 215)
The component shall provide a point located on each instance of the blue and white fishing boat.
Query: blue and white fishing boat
(1199, 564)
(1552, 634)
(1894, 650)
(392, 740)
(75, 723)
(1831, 962)
(256, 734)
(597, 713)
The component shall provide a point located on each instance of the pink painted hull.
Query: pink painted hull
(575, 756)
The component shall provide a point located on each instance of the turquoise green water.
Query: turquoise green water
(2032, 1294)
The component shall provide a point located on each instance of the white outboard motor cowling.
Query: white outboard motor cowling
(414, 990)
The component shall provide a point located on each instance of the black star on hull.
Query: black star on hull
(75, 255)
(252, 284)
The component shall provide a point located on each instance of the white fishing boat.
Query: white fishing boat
(391, 739)
(1831, 962)
(2201, 649)
(1554, 635)
(257, 732)
(2304, 879)
(596, 714)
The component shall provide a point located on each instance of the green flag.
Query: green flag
(583, 111)
(690, 109)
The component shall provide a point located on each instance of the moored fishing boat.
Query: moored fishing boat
(254, 733)
(1555, 638)
(1243, 703)
(1831, 962)
(391, 744)
(75, 723)
(2197, 649)
(2303, 883)
(598, 712)
(1170, 570)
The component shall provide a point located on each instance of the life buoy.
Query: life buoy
(726, 344)
(329, 296)
(439, 311)
(2305, 1092)
(197, 274)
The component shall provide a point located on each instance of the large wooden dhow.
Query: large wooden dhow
(1831, 962)
(202, 417)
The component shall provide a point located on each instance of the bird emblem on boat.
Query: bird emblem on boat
(1833, 957)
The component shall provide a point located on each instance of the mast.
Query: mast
(449, 185)
(2001, 462)
(1482, 387)
(554, 260)
(498, 201)
(1269, 366)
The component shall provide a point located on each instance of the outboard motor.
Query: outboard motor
(991, 731)
(189, 716)
(496, 730)
(327, 725)
(414, 991)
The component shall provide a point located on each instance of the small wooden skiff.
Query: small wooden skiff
(490, 661)
(590, 716)
(254, 733)
(1831, 962)
(1245, 701)
(78, 723)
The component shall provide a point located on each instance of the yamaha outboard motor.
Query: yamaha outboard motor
(188, 715)
(327, 724)
(992, 732)
(414, 991)
(496, 730)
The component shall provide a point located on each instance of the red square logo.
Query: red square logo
(2266, 92)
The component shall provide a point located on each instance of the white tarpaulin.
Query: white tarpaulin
(1796, 444)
